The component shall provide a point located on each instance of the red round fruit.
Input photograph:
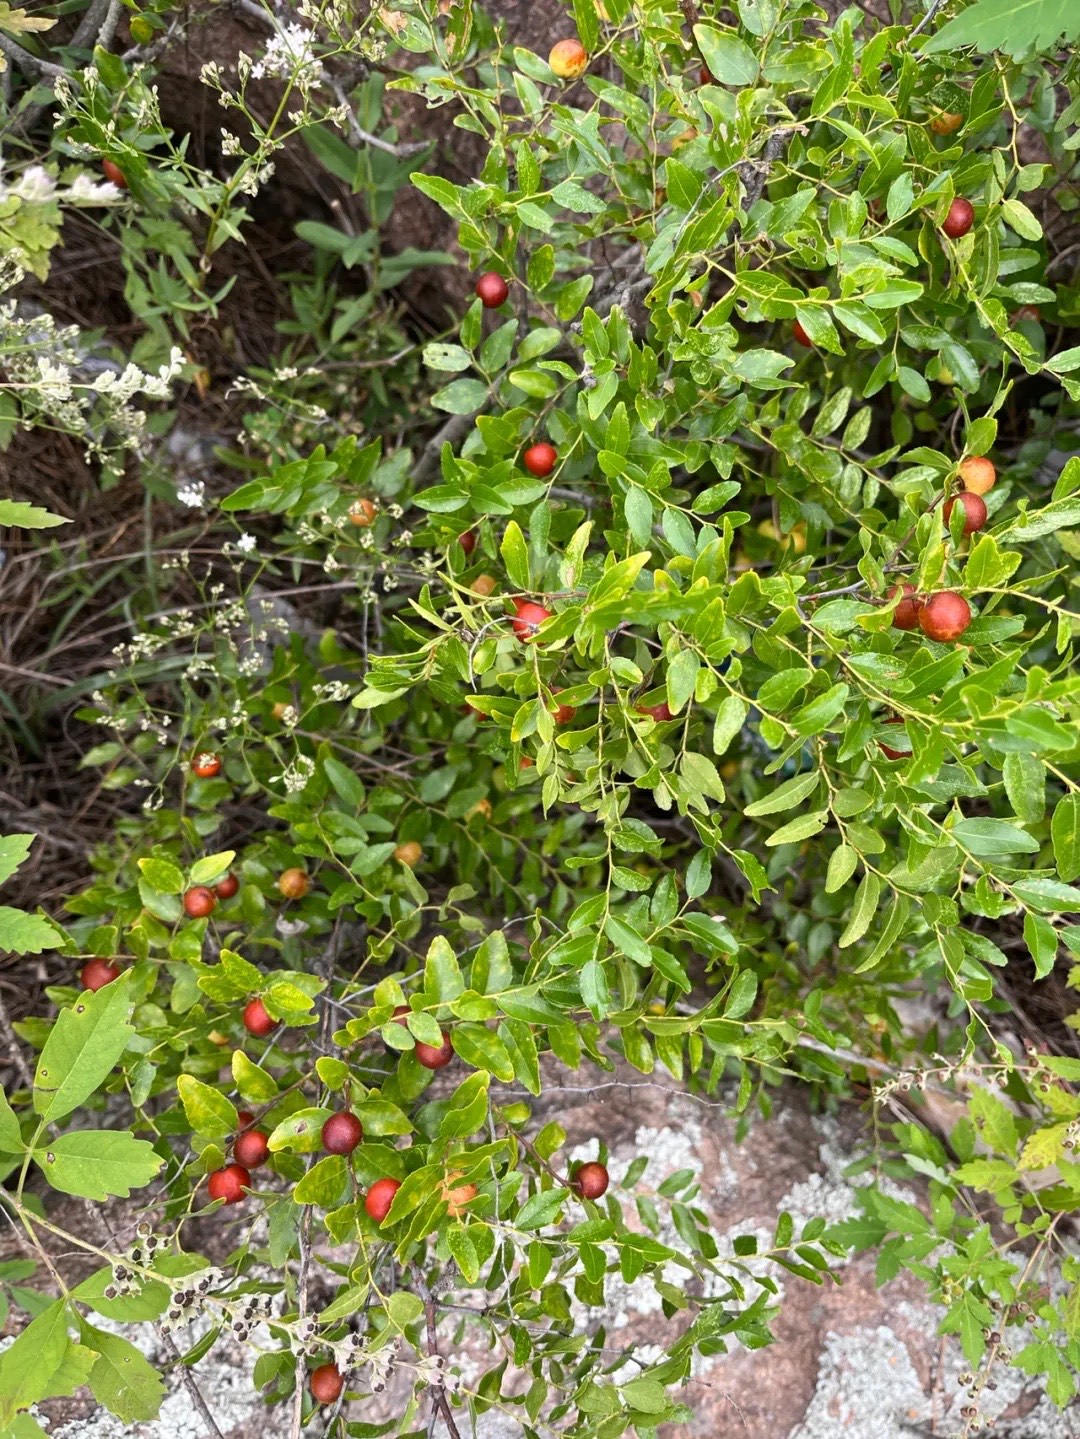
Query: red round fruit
(229, 1183)
(244, 1117)
(945, 616)
(434, 1056)
(978, 474)
(661, 713)
(206, 765)
(888, 752)
(590, 1180)
(467, 541)
(326, 1384)
(112, 171)
(97, 973)
(341, 1133)
(492, 290)
(528, 617)
(380, 1196)
(251, 1149)
(363, 514)
(540, 459)
(1027, 312)
(562, 714)
(257, 1020)
(801, 335)
(227, 886)
(959, 220)
(705, 76)
(906, 614)
(568, 59)
(199, 902)
(974, 507)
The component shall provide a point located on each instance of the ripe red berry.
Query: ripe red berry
(540, 459)
(528, 617)
(467, 541)
(590, 1180)
(660, 713)
(906, 614)
(945, 616)
(887, 750)
(227, 886)
(801, 335)
(199, 902)
(257, 1020)
(229, 1183)
(112, 171)
(244, 1117)
(434, 1056)
(1027, 312)
(380, 1196)
(326, 1384)
(251, 1149)
(206, 765)
(959, 220)
(974, 507)
(362, 514)
(97, 973)
(492, 290)
(341, 1133)
(293, 883)
(562, 714)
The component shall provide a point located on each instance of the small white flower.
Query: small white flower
(192, 494)
(247, 544)
(88, 191)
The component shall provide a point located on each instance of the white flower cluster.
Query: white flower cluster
(35, 186)
(290, 54)
(296, 777)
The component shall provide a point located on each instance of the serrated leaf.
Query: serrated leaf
(22, 933)
(98, 1163)
(122, 1379)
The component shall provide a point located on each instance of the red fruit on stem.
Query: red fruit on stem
(363, 513)
(112, 171)
(974, 507)
(945, 616)
(562, 714)
(251, 1149)
(888, 752)
(227, 886)
(257, 1020)
(199, 902)
(97, 973)
(528, 617)
(380, 1196)
(229, 1183)
(341, 1133)
(959, 220)
(434, 1056)
(326, 1384)
(906, 614)
(661, 713)
(590, 1180)
(467, 541)
(540, 459)
(492, 290)
(206, 765)
(801, 335)
(244, 1117)
(1029, 313)
(978, 474)
(705, 76)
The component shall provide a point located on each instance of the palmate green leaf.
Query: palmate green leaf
(98, 1163)
(1015, 27)
(14, 849)
(82, 1048)
(29, 1366)
(21, 516)
(123, 1379)
(22, 933)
